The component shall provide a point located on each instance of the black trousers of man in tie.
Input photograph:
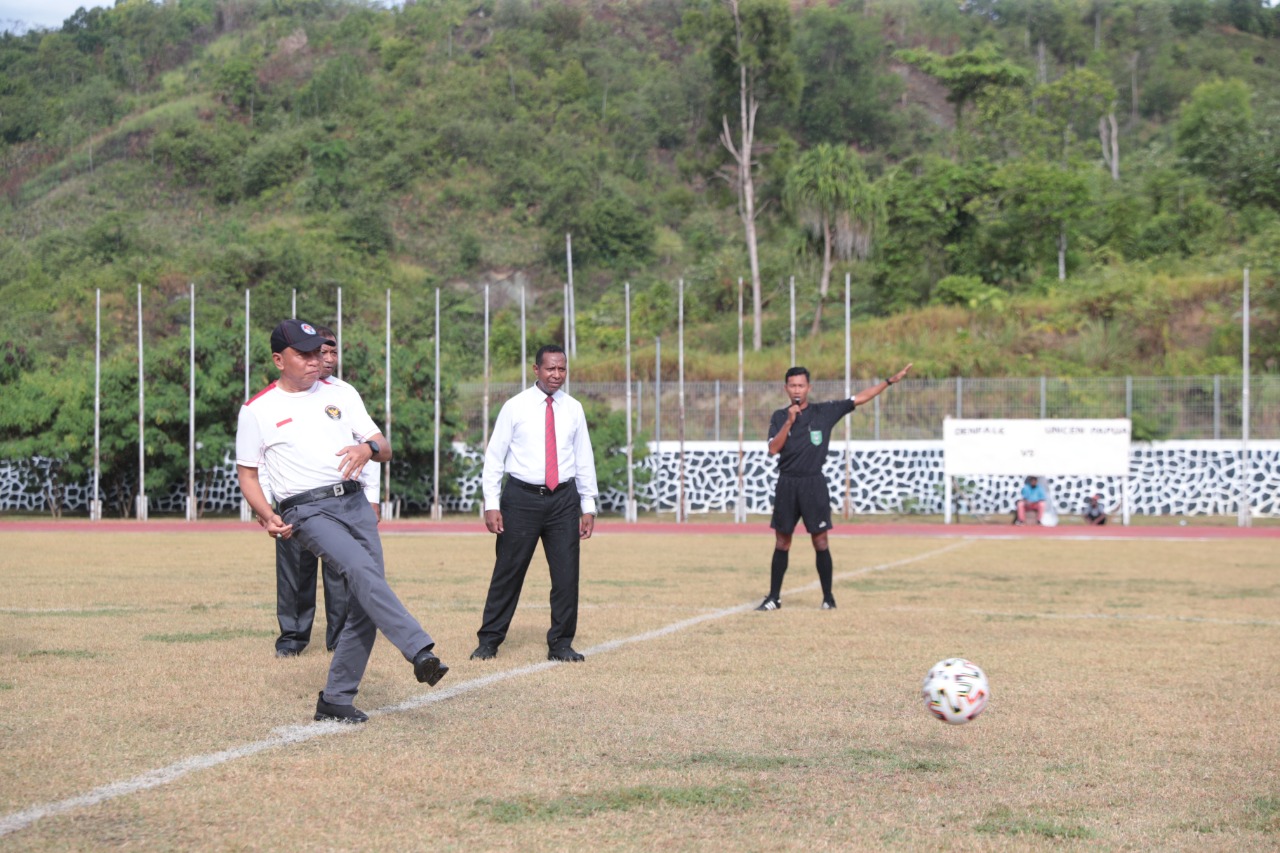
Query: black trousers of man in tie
(296, 570)
(527, 517)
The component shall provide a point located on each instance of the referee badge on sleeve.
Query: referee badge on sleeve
(815, 436)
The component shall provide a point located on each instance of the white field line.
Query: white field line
(288, 735)
(1117, 617)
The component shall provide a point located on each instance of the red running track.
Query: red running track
(610, 526)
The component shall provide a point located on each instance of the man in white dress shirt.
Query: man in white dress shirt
(540, 441)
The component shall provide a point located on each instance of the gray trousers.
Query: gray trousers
(343, 531)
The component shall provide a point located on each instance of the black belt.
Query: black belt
(337, 490)
(535, 488)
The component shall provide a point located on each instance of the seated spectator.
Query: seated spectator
(1094, 512)
(1033, 499)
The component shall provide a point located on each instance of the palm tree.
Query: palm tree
(829, 192)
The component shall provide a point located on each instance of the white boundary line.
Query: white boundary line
(288, 735)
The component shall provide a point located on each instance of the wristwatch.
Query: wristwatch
(373, 445)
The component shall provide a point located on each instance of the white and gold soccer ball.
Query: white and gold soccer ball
(956, 690)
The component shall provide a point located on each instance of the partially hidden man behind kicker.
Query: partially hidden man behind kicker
(799, 436)
(540, 441)
(301, 430)
(297, 568)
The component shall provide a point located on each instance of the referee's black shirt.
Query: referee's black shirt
(805, 450)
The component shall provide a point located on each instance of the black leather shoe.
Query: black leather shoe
(565, 654)
(484, 652)
(428, 668)
(288, 653)
(327, 712)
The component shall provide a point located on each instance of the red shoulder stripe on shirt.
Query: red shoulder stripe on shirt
(260, 393)
(285, 421)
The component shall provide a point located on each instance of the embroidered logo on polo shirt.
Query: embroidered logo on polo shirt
(815, 437)
(333, 411)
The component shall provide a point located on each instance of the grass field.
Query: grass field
(141, 706)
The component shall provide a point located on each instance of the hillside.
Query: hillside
(1018, 187)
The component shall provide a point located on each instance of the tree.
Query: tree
(749, 42)
(830, 192)
(1210, 126)
(966, 73)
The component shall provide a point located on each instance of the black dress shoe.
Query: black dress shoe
(328, 712)
(565, 654)
(288, 653)
(428, 668)
(484, 651)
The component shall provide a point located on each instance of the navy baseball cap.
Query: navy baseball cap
(298, 334)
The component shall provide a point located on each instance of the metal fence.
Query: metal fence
(1162, 408)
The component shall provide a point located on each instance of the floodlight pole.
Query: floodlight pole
(95, 500)
(141, 500)
(630, 513)
(848, 393)
(387, 511)
(191, 412)
(740, 507)
(437, 512)
(1246, 515)
(680, 507)
(246, 512)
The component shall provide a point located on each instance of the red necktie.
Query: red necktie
(553, 460)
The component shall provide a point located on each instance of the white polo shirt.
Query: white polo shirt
(295, 437)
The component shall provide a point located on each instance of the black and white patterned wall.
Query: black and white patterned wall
(1166, 478)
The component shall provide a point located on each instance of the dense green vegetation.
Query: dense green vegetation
(1012, 186)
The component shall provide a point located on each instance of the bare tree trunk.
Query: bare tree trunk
(747, 109)
(1042, 69)
(1062, 251)
(824, 283)
(1109, 136)
(1133, 89)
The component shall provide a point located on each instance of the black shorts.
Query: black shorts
(802, 498)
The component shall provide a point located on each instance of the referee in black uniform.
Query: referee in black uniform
(799, 436)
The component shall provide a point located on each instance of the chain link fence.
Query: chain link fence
(1161, 408)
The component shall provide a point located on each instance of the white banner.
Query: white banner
(1043, 447)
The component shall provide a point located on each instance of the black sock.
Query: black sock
(824, 573)
(776, 571)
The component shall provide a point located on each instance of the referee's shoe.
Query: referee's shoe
(770, 603)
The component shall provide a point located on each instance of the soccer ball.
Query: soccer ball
(955, 690)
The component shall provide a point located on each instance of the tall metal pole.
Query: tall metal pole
(740, 506)
(571, 324)
(631, 478)
(484, 397)
(386, 469)
(293, 311)
(848, 393)
(657, 417)
(246, 344)
(793, 320)
(437, 511)
(524, 345)
(567, 345)
(95, 500)
(246, 512)
(1246, 511)
(680, 508)
(191, 413)
(339, 331)
(141, 500)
